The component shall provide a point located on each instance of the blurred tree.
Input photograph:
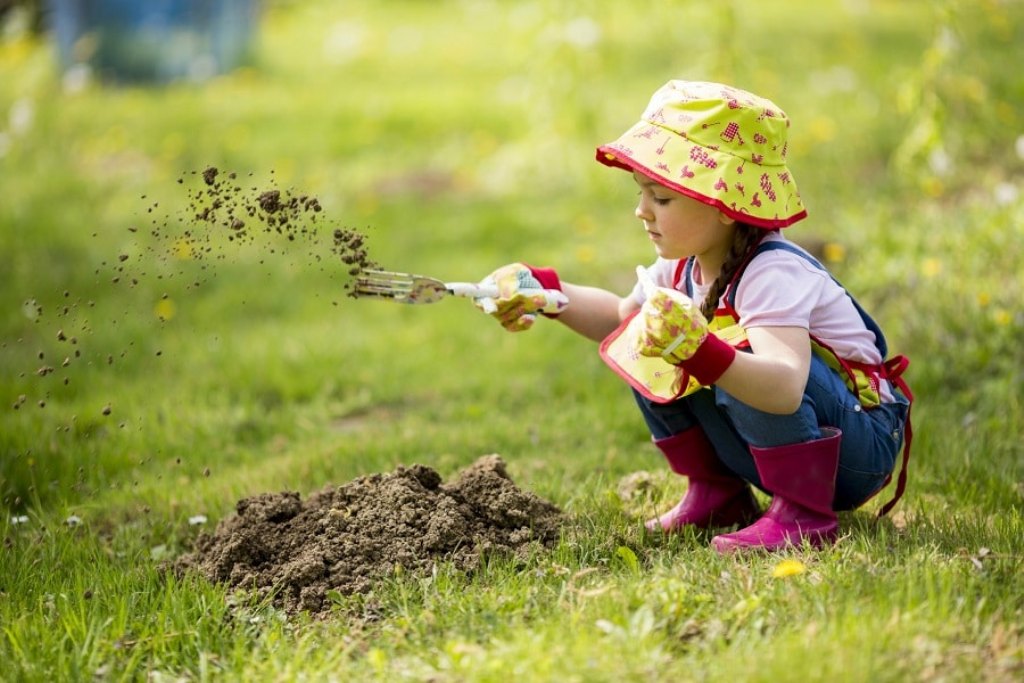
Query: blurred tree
(962, 102)
(31, 9)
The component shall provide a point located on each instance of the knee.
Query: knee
(742, 415)
(762, 429)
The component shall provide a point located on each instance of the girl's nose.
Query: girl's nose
(642, 212)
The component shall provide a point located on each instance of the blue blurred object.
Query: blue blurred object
(155, 41)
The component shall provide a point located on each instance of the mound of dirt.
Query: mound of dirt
(344, 538)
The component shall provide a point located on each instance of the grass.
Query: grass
(458, 150)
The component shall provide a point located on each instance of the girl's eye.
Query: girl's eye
(660, 201)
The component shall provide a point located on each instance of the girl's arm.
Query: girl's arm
(594, 313)
(772, 378)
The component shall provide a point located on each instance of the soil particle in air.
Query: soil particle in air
(220, 218)
(346, 538)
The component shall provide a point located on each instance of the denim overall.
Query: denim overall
(872, 431)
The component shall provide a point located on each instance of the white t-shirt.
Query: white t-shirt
(782, 289)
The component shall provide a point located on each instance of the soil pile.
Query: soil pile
(345, 538)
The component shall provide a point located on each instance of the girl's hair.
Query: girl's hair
(745, 239)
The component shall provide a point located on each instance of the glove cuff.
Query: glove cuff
(548, 279)
(712, 359)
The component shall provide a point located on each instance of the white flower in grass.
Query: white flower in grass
(582, 32)
(940, 162)
(73, 520)
(19, 519)
(345, 41)
(1005, 194)
(196, 520)
(76, 78)
(21, 116)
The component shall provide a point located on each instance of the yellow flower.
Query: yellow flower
(822, 129)
(183, 250)
(165, 309)
(584, 225)
(834, 252)
(586, 253)
(931, 267)
(933, 186)
(377, 658)
(1002, 317)
(787, 568)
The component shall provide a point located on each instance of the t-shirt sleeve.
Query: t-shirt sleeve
(779, 289)
(782, 289)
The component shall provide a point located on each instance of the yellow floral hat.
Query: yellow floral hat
(717, 144)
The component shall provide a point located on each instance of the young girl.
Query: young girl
(749, 362)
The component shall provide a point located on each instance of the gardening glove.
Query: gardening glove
(521, 293)
(675, 329)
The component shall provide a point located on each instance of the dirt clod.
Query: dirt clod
(219, 223)
(345, 538)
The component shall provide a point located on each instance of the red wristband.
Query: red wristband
(548, 279)
(712, 359)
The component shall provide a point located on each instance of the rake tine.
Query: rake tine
(393, 284)
(367, 286)
(380, 291)
(387, 276)
(383, 284)
(380, 294)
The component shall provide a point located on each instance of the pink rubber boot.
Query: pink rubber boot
(802, 478)
(714, 496)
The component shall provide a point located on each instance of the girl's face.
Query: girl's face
(680, 227)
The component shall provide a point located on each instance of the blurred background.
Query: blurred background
(458, 135)
(158, 41)
(156, 366)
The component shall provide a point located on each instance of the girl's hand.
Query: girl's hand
(675, 329)
(522, 293)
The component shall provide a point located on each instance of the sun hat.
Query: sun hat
(717, 144)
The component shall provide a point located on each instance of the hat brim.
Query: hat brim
(749, 192)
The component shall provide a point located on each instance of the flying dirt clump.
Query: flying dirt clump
(224, 220)
(345, 538)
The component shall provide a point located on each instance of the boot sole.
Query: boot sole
(816, 539)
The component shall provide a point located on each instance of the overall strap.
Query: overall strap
(869, 322)
(684, 271)
(894, 368)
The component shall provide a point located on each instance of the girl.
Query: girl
(749, 362)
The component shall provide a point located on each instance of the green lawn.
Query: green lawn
(459, 136)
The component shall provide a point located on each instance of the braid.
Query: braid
(745, 239)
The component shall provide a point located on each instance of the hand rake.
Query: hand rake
(406, 288)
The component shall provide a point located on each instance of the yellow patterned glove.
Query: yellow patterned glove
(522, 292)
(675, 329)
